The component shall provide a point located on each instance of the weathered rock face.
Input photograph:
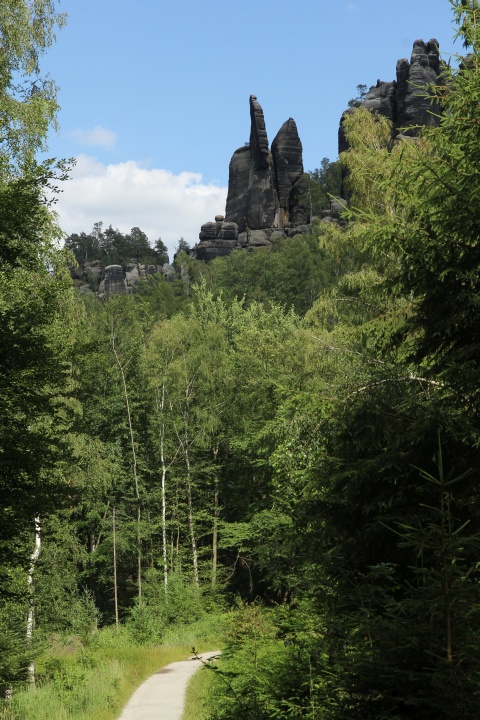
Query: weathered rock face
(252, 199)
(114, 281)
(291, 184)
(93, 278)
(406, 101)
(414, 107)
(216, 238)
(267, 192)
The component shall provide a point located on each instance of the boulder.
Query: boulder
(114, 282)
(208, 231)
(93, 275)
(337, 207)
(216, 239)
(228, 231)
(300, 230)
(258, 238)
(86, 290)
(381, 99)
(168, 271)
(132, 276)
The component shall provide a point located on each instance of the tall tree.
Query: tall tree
(27, 100)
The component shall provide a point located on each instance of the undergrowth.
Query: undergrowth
(92, 680)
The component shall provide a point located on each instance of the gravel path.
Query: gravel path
(162, 696)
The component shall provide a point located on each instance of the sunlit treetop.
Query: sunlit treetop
(28, 104)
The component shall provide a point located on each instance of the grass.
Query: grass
(197, 697)
(94, 681)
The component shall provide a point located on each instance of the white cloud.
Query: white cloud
(351, 7)
(126, 195)
(98, 136)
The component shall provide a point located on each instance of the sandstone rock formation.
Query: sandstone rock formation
(113, 282)
(268, 193)
(103, 281)
(406, 101)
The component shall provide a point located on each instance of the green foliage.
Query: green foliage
(248, 664)
(161, 250)
(361, 92)
(292, 273)
(164, 298)
(158, 611)
(325, 183)
(28, 102)
(113, 247)
(266, 427)
(182, 246)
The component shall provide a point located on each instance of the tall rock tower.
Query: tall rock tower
(268, 193)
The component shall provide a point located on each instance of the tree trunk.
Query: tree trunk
(215, 535)
(191, 525)
(215, 522)
(31, 614)
(161, 406)
(115, 586)
(134, 458)
(184, 442)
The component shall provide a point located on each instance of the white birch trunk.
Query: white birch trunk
(31, 614)
(115, 586)
(191, 525)
(164, 500)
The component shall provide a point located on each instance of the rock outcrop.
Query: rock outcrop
(268, 193)
(102, 281)
(406, 101)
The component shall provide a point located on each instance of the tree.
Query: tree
(292, 272)
(27, 100)
(182, 245)
(426, 213)
(325, 182)
(161, 251)
(361, 92)
(107, 359)
(138, 244)
(37, 319)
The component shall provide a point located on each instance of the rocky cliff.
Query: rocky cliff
(94, 278)
(268, 194)
(406, 101)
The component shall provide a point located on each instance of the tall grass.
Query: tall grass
(94, 681)
(197, 698)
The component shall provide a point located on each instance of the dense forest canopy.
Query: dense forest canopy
(289, 435)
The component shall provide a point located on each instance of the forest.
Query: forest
(277, 451)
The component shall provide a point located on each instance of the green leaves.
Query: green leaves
(28, 102)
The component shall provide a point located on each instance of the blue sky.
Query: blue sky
(154, 94)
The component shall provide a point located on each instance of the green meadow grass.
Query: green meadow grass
(93, 682)
(197, 697)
